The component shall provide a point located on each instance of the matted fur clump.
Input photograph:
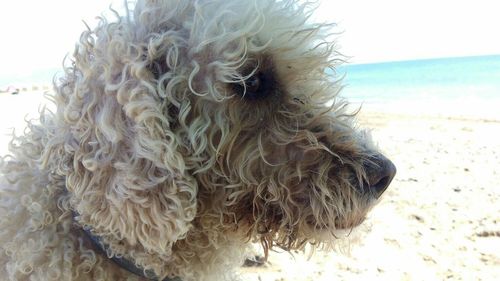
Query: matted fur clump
(185, 130)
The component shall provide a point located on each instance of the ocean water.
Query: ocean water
(456, 81)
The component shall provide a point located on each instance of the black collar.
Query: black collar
(121, 261)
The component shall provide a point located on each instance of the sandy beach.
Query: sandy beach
(439, 220)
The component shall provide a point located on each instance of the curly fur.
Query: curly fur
(158, 154)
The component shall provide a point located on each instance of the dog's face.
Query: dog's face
(205, 115)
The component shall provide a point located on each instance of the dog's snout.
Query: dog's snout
(380, 172)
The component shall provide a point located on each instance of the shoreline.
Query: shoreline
(461, 109)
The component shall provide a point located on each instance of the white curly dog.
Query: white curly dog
(185, 130)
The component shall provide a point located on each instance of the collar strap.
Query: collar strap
(122, 261)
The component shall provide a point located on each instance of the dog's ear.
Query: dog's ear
(126, 169)
(160, 193)
(128, 177)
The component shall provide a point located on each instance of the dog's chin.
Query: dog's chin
(338, 225)
(346, 221)
(349, 225)
(341, 226)
(336, 232)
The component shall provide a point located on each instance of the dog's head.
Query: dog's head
(212, 117)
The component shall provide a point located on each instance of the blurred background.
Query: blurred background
(427, 76)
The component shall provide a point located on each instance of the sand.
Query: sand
(439, 220)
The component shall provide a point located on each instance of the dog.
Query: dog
(183, 131)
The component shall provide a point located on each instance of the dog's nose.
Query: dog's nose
(379, 171)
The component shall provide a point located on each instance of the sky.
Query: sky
(38, 37)
(391, 30)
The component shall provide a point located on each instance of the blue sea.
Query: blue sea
(444, 79)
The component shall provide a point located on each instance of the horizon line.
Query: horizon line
(347, 63)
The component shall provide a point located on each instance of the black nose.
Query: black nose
(379, 171)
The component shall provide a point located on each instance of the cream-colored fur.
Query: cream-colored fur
(164, 148)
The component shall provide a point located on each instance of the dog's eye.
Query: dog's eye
(253, 84)
(257, 86)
